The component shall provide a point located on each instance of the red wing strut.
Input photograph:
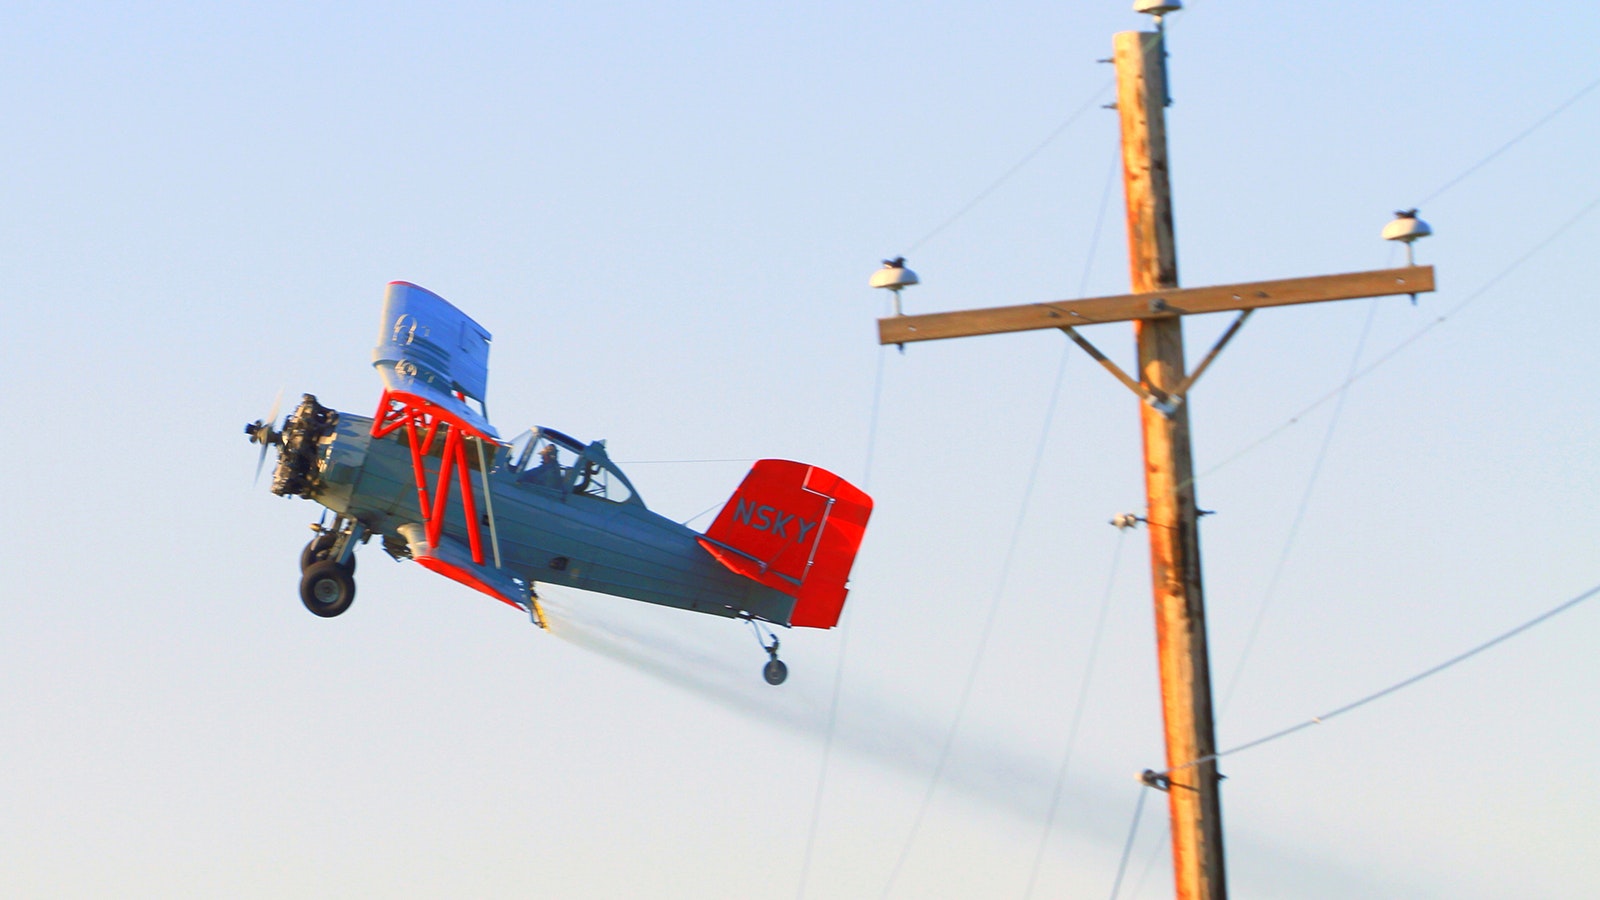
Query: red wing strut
(424, 425)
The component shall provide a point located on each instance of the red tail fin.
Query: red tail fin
(795, 528)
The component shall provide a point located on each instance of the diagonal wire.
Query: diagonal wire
(1399, 348)
(1099, 222)
(1127, 846)
(1511, 143)
(1022, 163)
(1299, 516)
(1399, 685)
(988, 629)
(1005, 572)
(1077, 719)
(872, 427)
(838, 670)
(1150, 861)
(1028, 157)
(988, 626)
(822, 775)
(1105, 602)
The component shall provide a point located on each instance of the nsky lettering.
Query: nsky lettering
(771, 519)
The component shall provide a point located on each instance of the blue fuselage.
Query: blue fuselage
(544, 532)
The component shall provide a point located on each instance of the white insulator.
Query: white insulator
(894, 277)
(1156, 7)
(1406, 227)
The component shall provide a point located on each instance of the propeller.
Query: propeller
(261, 432)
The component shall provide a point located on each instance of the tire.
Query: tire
(327, 588)
(318, 549)
(775, 672)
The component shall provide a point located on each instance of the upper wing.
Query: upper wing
(429, 349)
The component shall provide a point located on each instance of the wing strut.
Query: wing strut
(488, 501)
(423, 422)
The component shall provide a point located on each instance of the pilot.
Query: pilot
(547, 472)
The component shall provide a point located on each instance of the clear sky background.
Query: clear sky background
(667, 216)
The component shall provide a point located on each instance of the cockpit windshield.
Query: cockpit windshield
(546, 458)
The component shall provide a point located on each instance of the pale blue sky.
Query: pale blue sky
(667, 217)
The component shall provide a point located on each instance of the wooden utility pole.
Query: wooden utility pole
(1172, 516)
(1156, 307)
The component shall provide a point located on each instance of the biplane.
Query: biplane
(430, 477)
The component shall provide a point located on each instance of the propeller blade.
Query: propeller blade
(260, 462)
(264, 433)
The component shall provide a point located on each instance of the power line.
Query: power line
(1299, 516)
(1099, 222)
(1127, 846)
(1150, 861)
(988, 626)
(822, 774)
(838, 670)
(1399, 685)
(1397, 349)
(1511, 143)
(1028, 157)
(1015, 168)
(1022, 513)
(1077, 718)
(1005, 571)
(872, 422)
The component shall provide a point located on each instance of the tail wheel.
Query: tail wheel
(318, 550)
(775, 671)
(327, 588)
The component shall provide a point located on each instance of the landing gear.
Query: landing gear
(320, 548)
(327, 588)
(328, 585)
(775, 671)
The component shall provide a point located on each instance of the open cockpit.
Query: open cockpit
(545, 458)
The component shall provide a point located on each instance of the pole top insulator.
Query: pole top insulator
(1406, 227)
(1156, 7)
(894, 275)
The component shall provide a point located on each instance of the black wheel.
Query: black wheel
(318, 550)
(327, 588)
(775, 672)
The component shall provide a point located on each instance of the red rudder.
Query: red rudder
(796, 528)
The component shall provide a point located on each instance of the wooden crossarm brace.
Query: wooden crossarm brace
(1148, 395)
(1182, 390)
(1164, 402)
(1155, 305)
